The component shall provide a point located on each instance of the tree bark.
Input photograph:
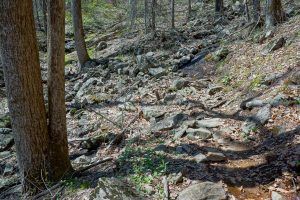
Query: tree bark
(153, 13)
(189, 9)
(44, 7)
(36, 8)
(20, 61)
(146, 16)
(132, 15)
(173, 14)
(219, 7)
(58, 148)
(256, 10)
(274, 13)
(82, 53)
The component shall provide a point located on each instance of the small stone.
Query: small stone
(209, 123)
(8, 170)
(157, 72)
(6, 141)
(167, 123)
(179, 84)
(199, 158)
(82, 160)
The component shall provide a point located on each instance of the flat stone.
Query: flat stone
(209, 123)
(203, 191)
(199, 133)
(152, 111)
(167, 123)
(199, 158)
(157, 72)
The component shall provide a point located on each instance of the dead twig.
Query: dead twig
(104, 117)
(45, 192)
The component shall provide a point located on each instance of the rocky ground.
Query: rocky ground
(209, 111)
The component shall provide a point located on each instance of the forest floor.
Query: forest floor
(225, 125)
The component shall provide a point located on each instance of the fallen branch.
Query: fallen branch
(79, 171)
(166, 188)
(45, 192)
(104, 117)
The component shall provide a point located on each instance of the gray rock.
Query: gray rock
(209, 123)
(168, 123)
(152, 111)
(200, 158)
(157, 72)
(85, 86)
(259, 119)
(5, 154)
(179, 84)
(8, 170)
(254, 103)
(180, 132)
(7, 182)
(295, 79)
(6, 141)
(184, 60)
(203, 191)
(214, 90)
(82, 160)
(169, 98)
(279, 99)
(199, 133)
(184, 148)
(277, 196)
(113, 189)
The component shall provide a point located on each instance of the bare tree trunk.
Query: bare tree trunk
(58, 149)
(274, 13)
(20, 61)
(153, 13)
(219, 7)
(146, 16)
(82, 53)
(247, 10)
(256, 10)
(172, 14)
(44, 7)
(189, 14)
(132, 15)
(36, 8)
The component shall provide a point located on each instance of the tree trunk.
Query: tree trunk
(219, 7)
(20, 61)
(153, 21)
(189, 14)
(274, 13)
(58, 149)
(256, 10)
(172, 14)
(44, 7)
(247, 10)
(36, 8)
(82, 53)
(146, 16)
(132, 15)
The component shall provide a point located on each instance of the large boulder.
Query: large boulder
(113, 189)
(203, 191)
